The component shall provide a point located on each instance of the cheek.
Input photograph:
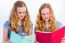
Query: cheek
(43, 16)
(18, 15)
(23, 15)
(49, 16)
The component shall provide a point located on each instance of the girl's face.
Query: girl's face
(21, 12)
(45, 13)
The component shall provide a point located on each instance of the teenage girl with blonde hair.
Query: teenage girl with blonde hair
(19, 22)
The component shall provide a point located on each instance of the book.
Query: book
(51, 37)
(15, 38)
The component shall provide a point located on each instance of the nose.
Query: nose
(21, 13)
(46, 15)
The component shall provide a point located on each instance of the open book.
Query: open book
(51, 37)
(15, 38)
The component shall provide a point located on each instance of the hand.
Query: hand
(9, 41)
(37, 42)
(63, 40)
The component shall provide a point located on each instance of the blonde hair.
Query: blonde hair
(14, 19)
(40, 24)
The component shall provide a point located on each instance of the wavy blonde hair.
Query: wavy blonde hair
(40, 24)
(14, 19)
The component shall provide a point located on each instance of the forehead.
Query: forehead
(45, 10)
(21, 9)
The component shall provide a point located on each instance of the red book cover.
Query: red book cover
(51, 37)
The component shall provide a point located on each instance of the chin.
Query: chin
(20, 18)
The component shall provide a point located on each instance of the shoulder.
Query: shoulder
(7, 25)
(31, 25)
(58, 24)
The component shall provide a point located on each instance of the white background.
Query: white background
(33, 7)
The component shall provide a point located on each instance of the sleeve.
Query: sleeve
(59, 24)
(31, 28)
(31, 25)
(6, 25)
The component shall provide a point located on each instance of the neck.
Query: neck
(19, 22)
(46, 25)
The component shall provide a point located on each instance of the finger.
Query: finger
(63, 41)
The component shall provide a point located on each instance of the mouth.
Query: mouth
(46, 19)
(20, 17)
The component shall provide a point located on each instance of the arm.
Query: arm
(35, 30)
(5, 34)
(31, 29)
(30, 32)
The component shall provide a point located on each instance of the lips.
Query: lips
(46, 18)
(20, 16)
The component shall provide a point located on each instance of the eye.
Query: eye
(43, 14)
(47, 13)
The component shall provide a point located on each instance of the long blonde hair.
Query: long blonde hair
(14, 19)
(40, 24)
